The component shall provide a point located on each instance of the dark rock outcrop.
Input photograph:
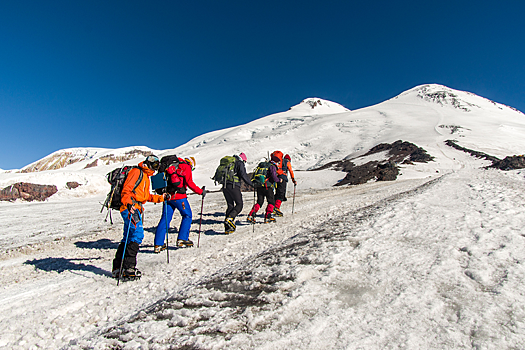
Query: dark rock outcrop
(509, 163)
(72, 184)
(476, 154)
(384, 170)
(92, 164)
(27, 191)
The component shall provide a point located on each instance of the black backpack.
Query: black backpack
(167, 161)
(175, 182)
(116, 179)
(284, 165)
(260, 174)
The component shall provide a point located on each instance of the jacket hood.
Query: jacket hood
(145, 169)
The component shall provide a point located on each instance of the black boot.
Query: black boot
(130, 258)
(118, 259)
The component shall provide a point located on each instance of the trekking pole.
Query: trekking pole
(293, 202)
(200, 223)
(253, 223)
(167, 232)
(124, 251)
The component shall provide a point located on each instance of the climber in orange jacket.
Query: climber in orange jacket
(135, 193)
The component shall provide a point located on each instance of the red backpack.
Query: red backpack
(176, 177)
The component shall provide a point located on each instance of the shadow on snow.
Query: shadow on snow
(62, 264)
(100, 244)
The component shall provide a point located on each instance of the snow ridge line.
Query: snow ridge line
(262, 281)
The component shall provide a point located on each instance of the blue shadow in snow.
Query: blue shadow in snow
(62, 264)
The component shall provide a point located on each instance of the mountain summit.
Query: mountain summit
(318, 106)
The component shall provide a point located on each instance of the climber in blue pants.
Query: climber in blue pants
(184, 209)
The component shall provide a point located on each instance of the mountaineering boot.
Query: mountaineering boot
(251, 219)
(158, 248)
(183, 244)
(131, 274)
(269, 219)
(229, 226)
(277, 211)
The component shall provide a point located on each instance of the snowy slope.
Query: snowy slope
(403, 264)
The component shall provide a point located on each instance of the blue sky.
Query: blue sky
(158, 73)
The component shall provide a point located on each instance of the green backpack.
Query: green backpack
(259, 176)
(225, 171)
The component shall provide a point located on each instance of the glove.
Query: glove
(166, 196)
(133, 215)
(294, 182)
(203, 191)
(131, 210)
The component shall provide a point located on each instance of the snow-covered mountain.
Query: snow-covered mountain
(316, 132)
(433, 260)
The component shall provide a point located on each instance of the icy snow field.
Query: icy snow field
(422, 263)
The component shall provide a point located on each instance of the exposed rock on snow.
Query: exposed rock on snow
(443, 97)
(92, 165)
(63, 158)
(477, 154)
(379, 163)
(112, 158)
(28, 192)
(72, 185)
(510, 163)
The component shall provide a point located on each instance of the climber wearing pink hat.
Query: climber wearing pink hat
(229, 173)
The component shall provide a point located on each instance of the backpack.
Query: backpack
(225, 171)
(174, 181)
(284, 166)
(116, 179)
(167, 161)
(260, 174)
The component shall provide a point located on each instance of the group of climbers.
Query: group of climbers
(269, 175)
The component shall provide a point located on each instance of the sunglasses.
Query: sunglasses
(155, 165)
